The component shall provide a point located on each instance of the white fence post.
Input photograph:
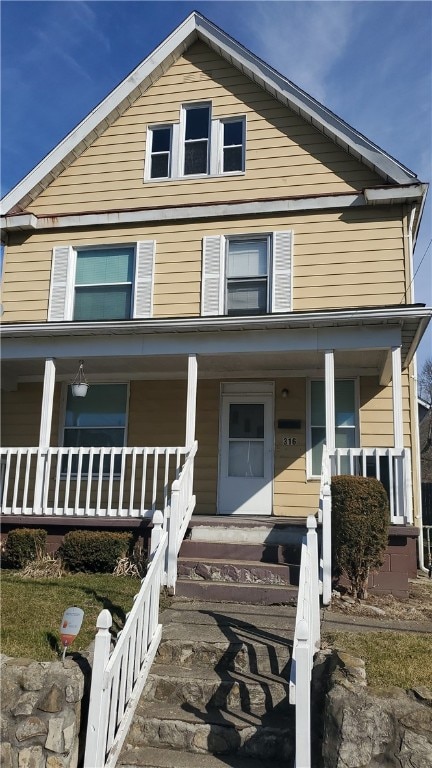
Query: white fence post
(312, 545)
(326, 544)
(303, 698)
(157, 531)
(173, 526)
(99, 704)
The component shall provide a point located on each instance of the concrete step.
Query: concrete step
(158, 757)
(246, 530)
(258, 553)
(229, 592)
(236, 571)
(216, 731)
(251, 691)
(241, 638)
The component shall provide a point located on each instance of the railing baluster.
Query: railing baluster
(6, 480)
(78, 482)
(99, 482)
(166, 475)
(59, 454)
(121, 487)
(391, 484)
(88, 510)
(155, 478)
(132, 486)
(26, 481)
(47, 481)
(143, 481)
(17, 479)
(110, 481)
(68, 479)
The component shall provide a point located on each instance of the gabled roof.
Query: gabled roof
(197, 27)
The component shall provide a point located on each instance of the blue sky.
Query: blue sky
(370, 62)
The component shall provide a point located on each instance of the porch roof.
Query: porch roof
(27, 340)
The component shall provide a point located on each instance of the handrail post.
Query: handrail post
(303, 698)
(157, 531)
(326, 544)
(312, 545)
(99, 704)
(173, 526)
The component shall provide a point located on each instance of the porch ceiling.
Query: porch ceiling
(251, 365)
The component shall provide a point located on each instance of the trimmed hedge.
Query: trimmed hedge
(94, 551)
(360, 519)
(24, 545)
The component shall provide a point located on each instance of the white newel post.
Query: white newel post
(312, 545)
(173, 528)
(191, 400)
(45, 431)
(397, 397)
(326, 544)
(157, 531)
(99, 704)
(330, 399)
(303, 698)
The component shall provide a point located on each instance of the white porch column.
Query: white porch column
(397, 397)
(330, 399)
(47, 404)
(191, 400)
(44, 433)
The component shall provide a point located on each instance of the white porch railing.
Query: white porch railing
(88, 482)
(118, 678)
(306, 644)
(179, 514)
(390, 465)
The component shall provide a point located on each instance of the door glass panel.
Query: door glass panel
(246, 458)
(246, 420)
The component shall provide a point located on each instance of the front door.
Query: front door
(246, 455)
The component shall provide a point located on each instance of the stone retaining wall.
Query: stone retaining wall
(41, 705)
(370, 727)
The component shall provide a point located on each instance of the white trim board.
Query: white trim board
(136, 83)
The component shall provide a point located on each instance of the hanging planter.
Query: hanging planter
(79, 385)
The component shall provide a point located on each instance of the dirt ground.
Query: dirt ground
(416, 607)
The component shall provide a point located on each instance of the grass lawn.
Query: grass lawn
(32, 610)
(392, 658)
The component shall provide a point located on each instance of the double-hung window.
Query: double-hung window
(97, 420)
(247, 270)
(247, 274)
(196, 140)
(160, 148)
(113, 282)
(345, 420)
(103, 284)
(232, 142)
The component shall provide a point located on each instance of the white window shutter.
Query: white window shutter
(282, 272)
(212, 287)
(144, 271)
(62, 284)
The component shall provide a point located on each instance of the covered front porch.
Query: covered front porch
(177, 378)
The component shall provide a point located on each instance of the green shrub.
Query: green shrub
(24, 545)
(360, 519)
(96, 551)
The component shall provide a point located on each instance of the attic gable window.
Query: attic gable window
(196, 140)
(160, 152)
(195, 146)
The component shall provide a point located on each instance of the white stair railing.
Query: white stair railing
(324, 517)
(179, 514)
(306, 644)
(118, 677)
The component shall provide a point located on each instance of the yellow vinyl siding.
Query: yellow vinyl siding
(285, 155)
(376, 413)
(340, 258)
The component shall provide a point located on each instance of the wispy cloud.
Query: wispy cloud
(302, 40)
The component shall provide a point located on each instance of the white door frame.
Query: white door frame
(247, 391)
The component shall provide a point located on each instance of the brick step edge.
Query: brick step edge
(229, 592)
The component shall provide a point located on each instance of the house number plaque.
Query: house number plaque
(289, 440)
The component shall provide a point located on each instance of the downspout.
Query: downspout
(418, 515)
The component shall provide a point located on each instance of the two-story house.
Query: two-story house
(233, 264)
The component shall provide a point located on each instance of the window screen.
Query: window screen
(103, 284)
